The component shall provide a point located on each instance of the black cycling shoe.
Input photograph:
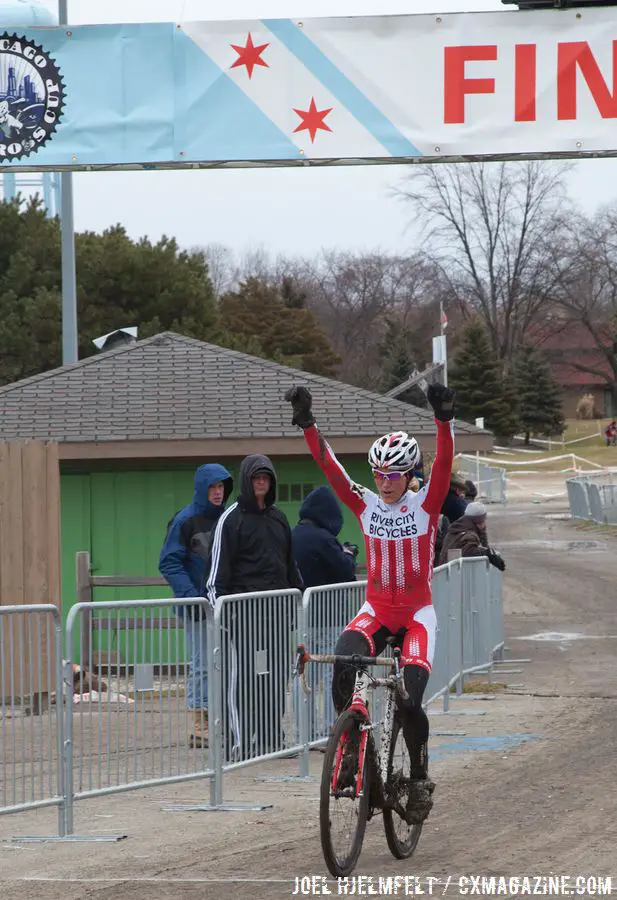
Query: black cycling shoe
(419, 800)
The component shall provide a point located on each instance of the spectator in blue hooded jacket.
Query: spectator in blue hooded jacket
(322, 560)
(183, 564)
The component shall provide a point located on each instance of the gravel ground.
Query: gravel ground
(526, 787)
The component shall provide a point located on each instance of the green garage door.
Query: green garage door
(121, 519)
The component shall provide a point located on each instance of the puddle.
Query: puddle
(484, 742)
(559, 637)
(571, 546)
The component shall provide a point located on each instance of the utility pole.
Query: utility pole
(69, 285)
(443, 321)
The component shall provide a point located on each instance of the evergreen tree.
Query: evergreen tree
(273, 320)
(120, 282)
(539, 396)
(481, 390)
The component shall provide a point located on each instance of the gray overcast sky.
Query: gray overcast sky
(289, 211)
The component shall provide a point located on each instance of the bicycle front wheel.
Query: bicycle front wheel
(402, 838)
(343, 809)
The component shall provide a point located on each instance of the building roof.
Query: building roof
(174, 388)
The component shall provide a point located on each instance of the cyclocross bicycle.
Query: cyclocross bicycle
(359, 780)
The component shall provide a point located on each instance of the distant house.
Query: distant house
(580, 368)
(134, 422)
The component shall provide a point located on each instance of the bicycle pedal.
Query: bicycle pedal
(346, 793)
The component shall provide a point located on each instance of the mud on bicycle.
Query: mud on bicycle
(359, 778)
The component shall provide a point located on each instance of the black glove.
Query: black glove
(351, 549)
(441, 399)
(496, 559)
(301, 401)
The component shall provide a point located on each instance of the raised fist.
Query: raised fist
(301, 402)
(441, 399)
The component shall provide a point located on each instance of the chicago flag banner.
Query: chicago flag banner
(296, 91)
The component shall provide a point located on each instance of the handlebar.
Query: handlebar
(396, 662)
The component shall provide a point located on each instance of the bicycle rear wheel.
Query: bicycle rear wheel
(342, 812)
(402, 838)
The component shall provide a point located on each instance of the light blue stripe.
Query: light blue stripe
(339, 85)
(214, 118)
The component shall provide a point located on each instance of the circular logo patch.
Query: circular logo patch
(31, 97)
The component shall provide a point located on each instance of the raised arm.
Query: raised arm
(345, 489)
(442, 401)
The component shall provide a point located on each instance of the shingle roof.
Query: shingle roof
(173, 387)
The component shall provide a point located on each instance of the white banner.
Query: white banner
(477, 84)
(289, 91)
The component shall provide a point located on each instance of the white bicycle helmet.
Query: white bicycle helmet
(396, 452)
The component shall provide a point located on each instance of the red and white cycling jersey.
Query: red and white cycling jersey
(399, 537)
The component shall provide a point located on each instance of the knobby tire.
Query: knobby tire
(398, 848)
(348, 721)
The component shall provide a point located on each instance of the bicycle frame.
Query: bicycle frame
(359, 703)
(363, 682)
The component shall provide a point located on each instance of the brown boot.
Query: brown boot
(199, 737)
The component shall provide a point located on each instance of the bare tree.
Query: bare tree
(585, 295)
(489, 226)
(228, 270)
(221, 267)
(352, 296)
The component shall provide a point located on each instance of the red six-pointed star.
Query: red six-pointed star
(250, 56)
(313, 119)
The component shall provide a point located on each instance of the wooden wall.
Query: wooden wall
(29, 560)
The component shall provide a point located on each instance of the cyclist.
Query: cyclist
(399, 528)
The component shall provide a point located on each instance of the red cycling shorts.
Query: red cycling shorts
(418, 629)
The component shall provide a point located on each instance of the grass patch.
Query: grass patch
(594, 528)
(523, 462)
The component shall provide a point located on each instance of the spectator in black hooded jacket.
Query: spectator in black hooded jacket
(252, 551)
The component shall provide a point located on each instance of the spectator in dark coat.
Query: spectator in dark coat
(469, 535)
(455, 503)
(318, 554)
(322, 560)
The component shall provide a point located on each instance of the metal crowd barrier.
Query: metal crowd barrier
(31, 720)
(593, 497)
(326, 611)
(127, 723)
(491, 481)
(468, 604)
(251, 657)
(71, 731)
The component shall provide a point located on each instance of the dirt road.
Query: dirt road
(525, 781)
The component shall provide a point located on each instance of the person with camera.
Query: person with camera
(469, 535)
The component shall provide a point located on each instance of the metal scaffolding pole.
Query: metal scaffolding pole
(69, 282)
